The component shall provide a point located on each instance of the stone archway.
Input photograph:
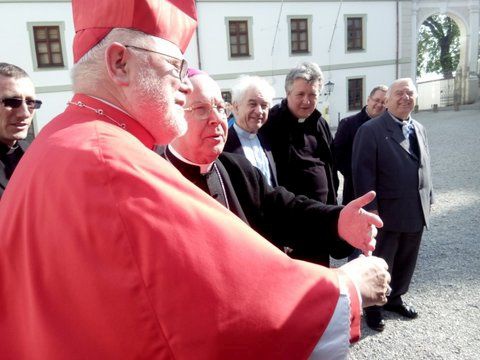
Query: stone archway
(467, 16)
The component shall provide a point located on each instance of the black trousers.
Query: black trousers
(400, 251)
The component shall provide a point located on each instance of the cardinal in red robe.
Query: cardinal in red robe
(107, 252)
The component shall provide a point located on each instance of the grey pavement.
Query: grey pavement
(446, 286)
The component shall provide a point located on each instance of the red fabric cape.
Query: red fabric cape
(107, 252)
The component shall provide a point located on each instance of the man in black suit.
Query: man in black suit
(300, 137)
(251, 99)
(17, 108)
(391, 156)
(279, 215)
(347, 128)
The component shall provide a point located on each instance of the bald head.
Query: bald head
(207, 122)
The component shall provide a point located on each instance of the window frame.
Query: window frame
(308, 19)
(363, 19)
(61, 29)
(249, 21)
(362, 94)
(227, 95)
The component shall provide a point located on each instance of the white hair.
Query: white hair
(408, 81)
(90, 69)
(246, 82)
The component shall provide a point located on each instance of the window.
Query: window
(227, 96)
(47, 45)
(355, 94)
(299, 36)
(355, 33)
(238, 35)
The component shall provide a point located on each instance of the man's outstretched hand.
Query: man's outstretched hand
(357, 226)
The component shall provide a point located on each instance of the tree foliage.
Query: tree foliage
(438, 46)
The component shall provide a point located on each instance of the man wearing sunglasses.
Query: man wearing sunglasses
(17, 107)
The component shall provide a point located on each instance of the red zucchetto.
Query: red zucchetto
(173, 20)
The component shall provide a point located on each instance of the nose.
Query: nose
(306, 99)
(257, 109)
(214, 117)
(23, 111)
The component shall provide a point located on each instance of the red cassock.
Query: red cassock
(107, 252)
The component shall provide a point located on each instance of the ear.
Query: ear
(235, 107)
(117, 59)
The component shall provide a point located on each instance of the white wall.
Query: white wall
(53, 103)
(375, 64)
(380, 44)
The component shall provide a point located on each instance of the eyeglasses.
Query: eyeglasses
(203, 110)
(181, 70)
(17, 102)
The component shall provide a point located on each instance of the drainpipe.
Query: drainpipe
(397, 50)
(198, 43)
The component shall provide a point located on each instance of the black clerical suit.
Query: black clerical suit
(400, 175)
(9, 159)
(307, 226)
(233, 145)
(302, 153)
(342, 150)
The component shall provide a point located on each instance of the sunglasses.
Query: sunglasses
(16, 103)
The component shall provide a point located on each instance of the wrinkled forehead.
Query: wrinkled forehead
(403, 86)
(256, 93)
(205, 89)
(10, 86)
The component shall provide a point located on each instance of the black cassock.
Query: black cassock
(304, 225)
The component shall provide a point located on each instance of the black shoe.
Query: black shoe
(375, 320)
(403, 309)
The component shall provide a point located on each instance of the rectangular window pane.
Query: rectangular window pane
(355, 33)
(299, 35)
(43, 59)
(42, 48)
(57, 58)
(355, 94)
(53, 33)
(40, 33)
(48, 46)
(238, 38)
(55, 47)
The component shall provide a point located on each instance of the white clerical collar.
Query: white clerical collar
(243, 133)
(204, 168)
(301, 120)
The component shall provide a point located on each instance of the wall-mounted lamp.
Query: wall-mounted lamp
(329, 87)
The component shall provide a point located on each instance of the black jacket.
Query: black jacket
(307, 226)
(302, 153)
(382, 161)
(342, 149)
(8, 162)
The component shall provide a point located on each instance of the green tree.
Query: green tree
(438, 46)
